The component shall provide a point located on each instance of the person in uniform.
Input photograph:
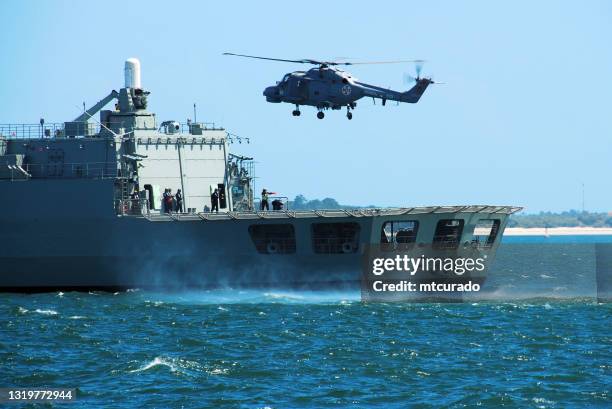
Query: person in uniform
(179, 201)
(264, 200)
(214, 201)
(165, 201)
(169, 201)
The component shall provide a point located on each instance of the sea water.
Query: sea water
(539, 338)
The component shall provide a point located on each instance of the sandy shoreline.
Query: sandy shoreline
(558, 231)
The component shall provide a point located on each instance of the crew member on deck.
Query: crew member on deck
(265, 195)
(179, 201)
(169, 201)
(165, 201)
(214, 200)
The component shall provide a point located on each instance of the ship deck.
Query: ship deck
(300, 214)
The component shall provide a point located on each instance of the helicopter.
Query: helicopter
(328, 87)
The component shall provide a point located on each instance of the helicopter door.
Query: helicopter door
(297, 88)
(318, 91)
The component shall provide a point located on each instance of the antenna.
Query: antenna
(195, 116)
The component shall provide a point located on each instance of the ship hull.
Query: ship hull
(203, 251)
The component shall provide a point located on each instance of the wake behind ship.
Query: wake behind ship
(83, 208)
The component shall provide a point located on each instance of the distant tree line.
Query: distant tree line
(571, 218)
(301, 203)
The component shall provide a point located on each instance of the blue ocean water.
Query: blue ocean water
(539, 339)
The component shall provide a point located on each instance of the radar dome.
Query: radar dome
(132, 73)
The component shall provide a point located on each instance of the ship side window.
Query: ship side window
(273, 238)
(335, 238)
(398, 233)
(448, 234)
(485, 233)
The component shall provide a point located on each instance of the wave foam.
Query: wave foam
(46, 312)
(157, 361)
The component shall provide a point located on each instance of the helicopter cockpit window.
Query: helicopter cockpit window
(286, 78)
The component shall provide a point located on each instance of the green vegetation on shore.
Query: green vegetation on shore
(571, 218)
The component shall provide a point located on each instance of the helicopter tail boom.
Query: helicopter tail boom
(413, 95)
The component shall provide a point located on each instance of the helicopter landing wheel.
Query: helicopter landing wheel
(320, 115)
(349, 115)
(296, 113)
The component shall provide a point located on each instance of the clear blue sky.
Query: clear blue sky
(524, 117)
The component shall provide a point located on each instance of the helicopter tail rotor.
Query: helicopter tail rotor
(418, 68)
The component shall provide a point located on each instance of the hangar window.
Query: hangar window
(448, 234)
(335, 238)
(396, 233)
(485, 233)
(273, 238)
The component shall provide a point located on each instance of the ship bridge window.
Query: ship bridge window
(335, 238)
(395, 234)
(485, 233)
(448, 234)
(273, 238)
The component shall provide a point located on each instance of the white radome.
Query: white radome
(132, 73)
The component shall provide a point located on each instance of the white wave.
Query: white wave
(218, 371)
(227, 296)
(156, 362)
(60, 294)
(287, 296)
(545, 276)
(22, 310)
(182, 366)
(76, 317)
(46, 312)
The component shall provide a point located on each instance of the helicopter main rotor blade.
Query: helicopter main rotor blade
(379, 62)
(305, 61)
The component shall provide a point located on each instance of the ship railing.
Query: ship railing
(31, 131)
(187, 127)
(132, 207)
(61, 170)
(335, 213)
(57, 129)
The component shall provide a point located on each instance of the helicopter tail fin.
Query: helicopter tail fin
(414, 94)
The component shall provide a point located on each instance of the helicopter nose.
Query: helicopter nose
(272, 94)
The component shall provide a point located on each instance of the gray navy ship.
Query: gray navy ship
(83, 208)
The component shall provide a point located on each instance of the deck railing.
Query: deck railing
(56, 129)
(33, 131)
(60, 170)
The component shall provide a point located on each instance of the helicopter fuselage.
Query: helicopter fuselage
(332, 88)
(319, 87)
